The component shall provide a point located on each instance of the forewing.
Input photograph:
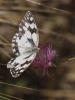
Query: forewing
(28, 28)
(27, 36)
(19, 64)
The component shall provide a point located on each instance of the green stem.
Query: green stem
(67, 59)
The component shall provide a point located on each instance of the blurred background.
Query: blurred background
(55, 19)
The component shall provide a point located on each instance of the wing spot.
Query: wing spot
(27, 62)
(24, 28)
(31, 18)
(20, 29)
(26, 24)
(32, 25)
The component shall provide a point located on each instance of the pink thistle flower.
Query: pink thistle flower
(44, 58)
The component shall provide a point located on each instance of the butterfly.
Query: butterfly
(24, 45)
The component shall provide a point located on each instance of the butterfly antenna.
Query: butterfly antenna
(47, 40)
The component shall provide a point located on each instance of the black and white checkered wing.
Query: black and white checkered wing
(19, 64)
(22, 44)
(27, 31)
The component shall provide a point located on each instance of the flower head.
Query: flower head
(44, 58)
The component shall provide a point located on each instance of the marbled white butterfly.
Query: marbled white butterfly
(24, 45)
